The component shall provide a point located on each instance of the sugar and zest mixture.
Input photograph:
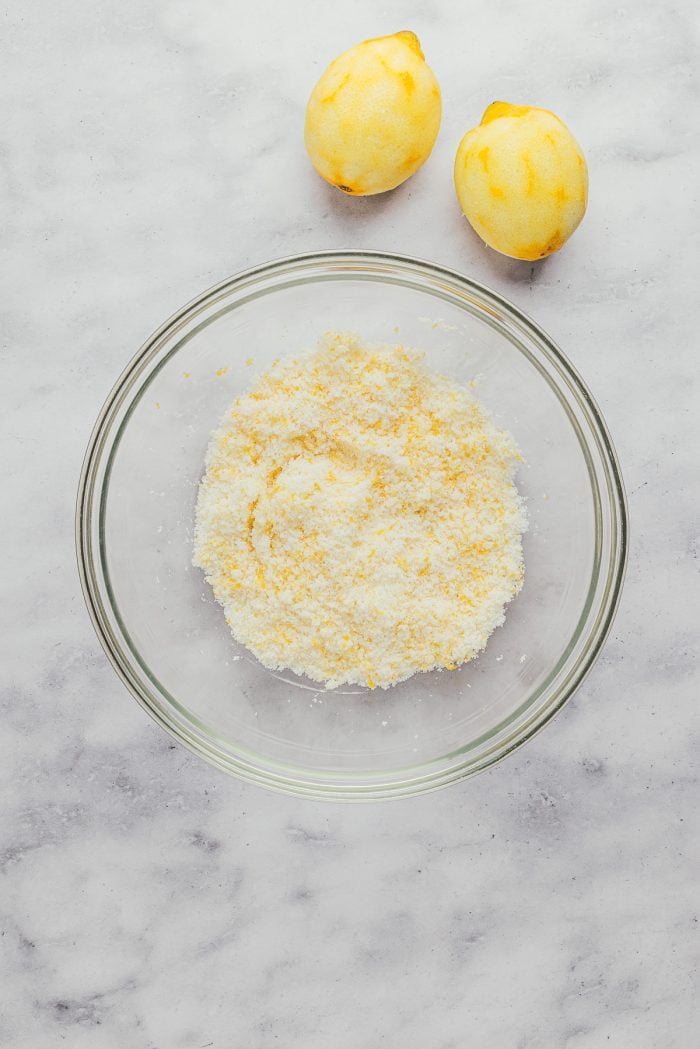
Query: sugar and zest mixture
(358, 518)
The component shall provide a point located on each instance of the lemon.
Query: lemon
(373, 117)
(521, 180)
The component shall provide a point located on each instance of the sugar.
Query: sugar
(358, 519)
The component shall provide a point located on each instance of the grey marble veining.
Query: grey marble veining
(149, 150)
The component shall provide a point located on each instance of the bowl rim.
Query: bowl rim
(367, 786)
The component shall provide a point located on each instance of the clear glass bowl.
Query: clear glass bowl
(166, 636)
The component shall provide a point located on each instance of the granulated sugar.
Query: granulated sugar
(358, 518)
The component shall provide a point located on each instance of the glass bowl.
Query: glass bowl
(167, 637)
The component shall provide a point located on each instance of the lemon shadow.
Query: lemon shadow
(348, 208)
(513, 272)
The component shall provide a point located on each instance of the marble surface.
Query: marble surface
(148, 151)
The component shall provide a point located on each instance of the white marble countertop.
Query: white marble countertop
(150, 150)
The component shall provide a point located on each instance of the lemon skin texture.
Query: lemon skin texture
(373, 117)
(521, 180)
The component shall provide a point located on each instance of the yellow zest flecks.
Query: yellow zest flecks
(358, 518)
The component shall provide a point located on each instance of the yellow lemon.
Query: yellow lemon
(521, 180)
(374, 115)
